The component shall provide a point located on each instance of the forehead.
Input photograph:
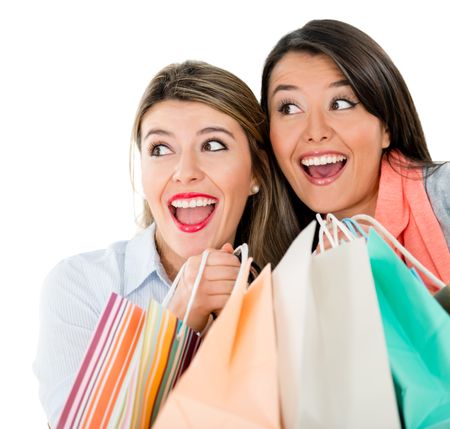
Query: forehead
(182, 119)
(304, 68)
(171, 111)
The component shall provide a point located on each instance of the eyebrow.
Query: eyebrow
(283, 87)
(159, 132)
(338, 83)
(208, 130)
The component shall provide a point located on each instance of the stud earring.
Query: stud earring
(255, 189)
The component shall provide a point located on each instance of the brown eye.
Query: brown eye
(288, 109)
(159, 150)
(213, 146)
(342, 104)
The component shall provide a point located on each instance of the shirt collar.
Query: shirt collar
(142, 260)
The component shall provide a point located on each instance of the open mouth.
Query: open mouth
(192, 213)
(323, 169)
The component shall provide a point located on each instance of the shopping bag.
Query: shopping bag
(104, 367)
(232, 381)
(333, 363)
(165, 351)
(417, 331)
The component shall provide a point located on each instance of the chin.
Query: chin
(192, 250)
(323, 208)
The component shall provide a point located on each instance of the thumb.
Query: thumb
(227, 247)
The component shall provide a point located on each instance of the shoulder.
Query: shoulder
(88, 277)
(438, 178)
(437, 185)
(91, 277)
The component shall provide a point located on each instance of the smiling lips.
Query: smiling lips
(191, 211)
(324, 168)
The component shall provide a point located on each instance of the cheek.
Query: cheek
(233, 178)
(152, 184)
(283, 147)
(366, 139)
(276, 136)
(283, 139)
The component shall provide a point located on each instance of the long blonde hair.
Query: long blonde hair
(217, 88)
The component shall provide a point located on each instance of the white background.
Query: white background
(71, 76)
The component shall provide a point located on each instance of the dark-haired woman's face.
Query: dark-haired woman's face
(327, 144)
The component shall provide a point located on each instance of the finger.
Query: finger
(227, 247)
(220, 272)
(219, 257)
(217, 302)
(205, 305)
(222, 287)
(193, 262)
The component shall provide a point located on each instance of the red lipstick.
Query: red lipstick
(191, 227)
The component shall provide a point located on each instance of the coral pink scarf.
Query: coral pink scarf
(404, 209)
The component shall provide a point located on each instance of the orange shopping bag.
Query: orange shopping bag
(232, 381)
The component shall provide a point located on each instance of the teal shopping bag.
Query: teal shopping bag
(417, 331)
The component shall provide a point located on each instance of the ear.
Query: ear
(386, 139)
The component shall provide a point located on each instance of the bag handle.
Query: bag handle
(194, 290)
(173, 287)
(387, 235)
(356, 229)
(337, 225)
(242, 250)
(198, 278)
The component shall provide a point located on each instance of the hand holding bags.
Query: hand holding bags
(166, 350)
(333, 365)
(232, 382)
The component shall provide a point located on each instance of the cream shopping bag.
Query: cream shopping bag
(332, 358)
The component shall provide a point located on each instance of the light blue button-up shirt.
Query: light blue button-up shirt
(74, 295)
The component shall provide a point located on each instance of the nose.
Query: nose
(187, 169)
(317, 128)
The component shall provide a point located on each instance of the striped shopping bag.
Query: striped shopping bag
(105, 366)
(166, 351)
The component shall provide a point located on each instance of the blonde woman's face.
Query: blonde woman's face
(196, 175)
(327, 144)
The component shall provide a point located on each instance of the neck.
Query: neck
(171, 261)
(367, 207)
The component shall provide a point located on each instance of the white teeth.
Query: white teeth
(193, 202)
(322, 160)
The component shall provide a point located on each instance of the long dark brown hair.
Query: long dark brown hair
(374, 78)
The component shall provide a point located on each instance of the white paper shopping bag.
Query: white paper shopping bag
(333, 364)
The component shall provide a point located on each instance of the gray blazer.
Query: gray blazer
(437, 186)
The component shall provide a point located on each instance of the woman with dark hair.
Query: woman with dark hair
(207, 183)
(348, 139)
